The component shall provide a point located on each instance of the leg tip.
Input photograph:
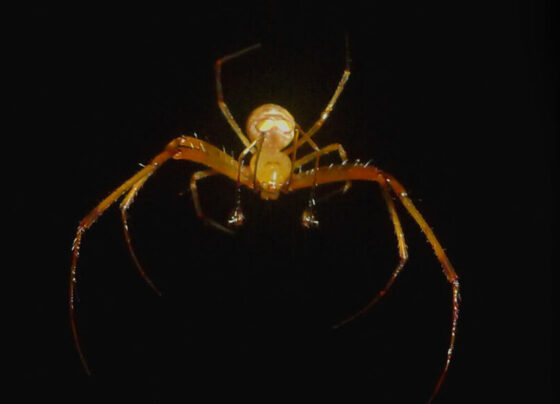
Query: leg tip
(309, 220)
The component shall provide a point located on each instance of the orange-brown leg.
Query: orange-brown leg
(221, 103)
(328, 109)
(370, 173)
(85, 224)
(318, 152)
(403, 256)
(182, 148)
(124, 206)
(198, 208)
(448, 270)
(334, 147)
(237, 217)
(309, 218)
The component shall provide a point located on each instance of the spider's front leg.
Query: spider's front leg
(182, 148)
(135, 182)
(237, 217)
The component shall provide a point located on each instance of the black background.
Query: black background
(455, 101)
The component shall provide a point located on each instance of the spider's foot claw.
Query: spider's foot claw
(237, 217)
(308, 219)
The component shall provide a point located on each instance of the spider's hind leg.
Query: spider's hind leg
(194, 191)
(403, 256)
(124, 206)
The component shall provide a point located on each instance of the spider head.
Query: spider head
(274, 123)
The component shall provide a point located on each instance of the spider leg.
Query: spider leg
(334, 147)
(237, 217)
(221, 103)
(403, 257)
(194, 191)
(85, 224)
(448, 270)
(124, 206)
(370, 173)
(309, 218)
(182, 148)
(328, 109)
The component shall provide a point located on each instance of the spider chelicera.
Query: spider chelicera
(273, 138)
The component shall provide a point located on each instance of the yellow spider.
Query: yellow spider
(273, 138)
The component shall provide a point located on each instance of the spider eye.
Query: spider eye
(268, 124)
(283, 126)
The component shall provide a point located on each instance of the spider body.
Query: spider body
(273, 137)
(274, 128)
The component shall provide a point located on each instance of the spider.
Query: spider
(273, 138)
